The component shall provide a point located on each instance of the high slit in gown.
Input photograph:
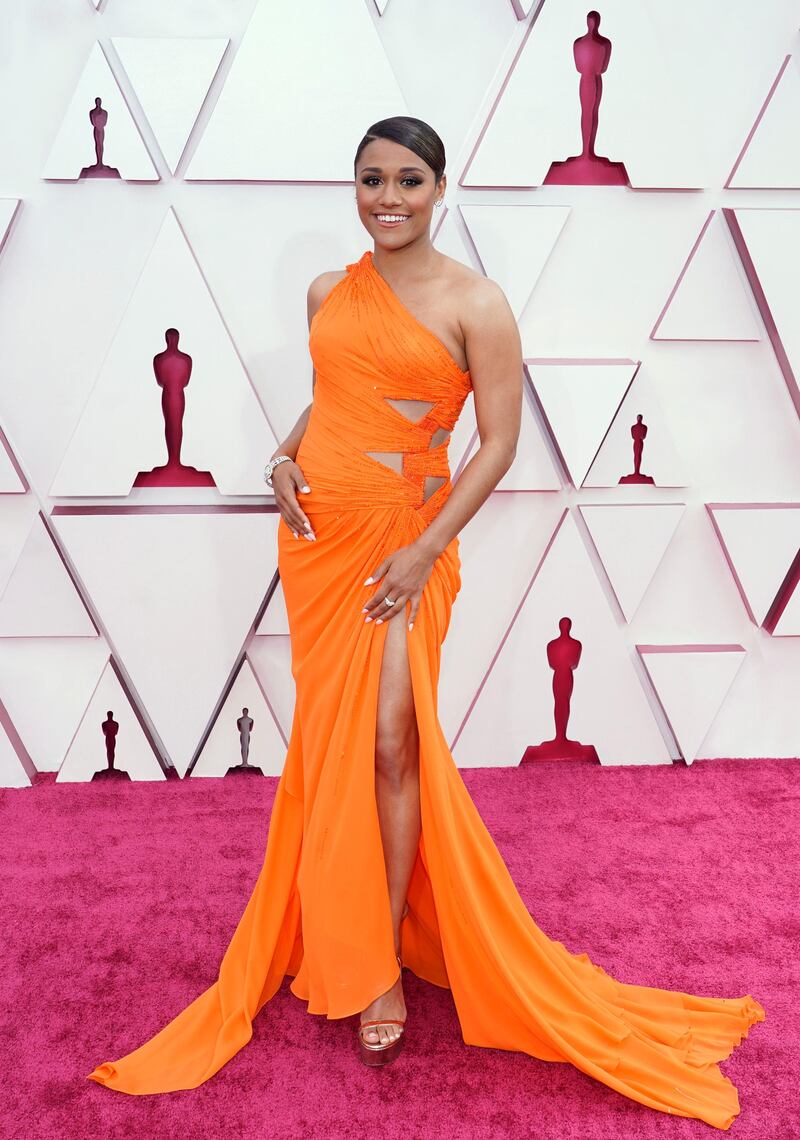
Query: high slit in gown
(319, 911)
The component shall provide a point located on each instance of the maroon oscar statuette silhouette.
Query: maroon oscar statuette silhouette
(98, 117)
(563, 655)
(173, 369)
(638, 431)
(245, 726)
(110, 729)
(592, 53)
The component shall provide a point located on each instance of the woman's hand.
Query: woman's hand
(287, 479)
(405, 573)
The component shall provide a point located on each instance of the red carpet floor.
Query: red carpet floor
(118, 903)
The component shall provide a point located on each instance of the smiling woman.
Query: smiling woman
(376, 856)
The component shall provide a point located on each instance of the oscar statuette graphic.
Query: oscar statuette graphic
(98, 117)
(173, 369)
(592, 53)
(110, 728)
(638, 431)
(245, 727)
(563, 656)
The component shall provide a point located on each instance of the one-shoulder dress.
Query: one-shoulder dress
(319, 911)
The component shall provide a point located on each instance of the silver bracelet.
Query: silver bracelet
(273, 463)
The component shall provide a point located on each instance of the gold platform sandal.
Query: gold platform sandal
(372, 1053)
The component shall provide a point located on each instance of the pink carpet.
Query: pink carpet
(118, 903)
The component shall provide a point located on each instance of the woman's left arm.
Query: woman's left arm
(494, 357)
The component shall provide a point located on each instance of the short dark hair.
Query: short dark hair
(413, 133)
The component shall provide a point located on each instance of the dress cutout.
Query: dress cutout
(467, 928)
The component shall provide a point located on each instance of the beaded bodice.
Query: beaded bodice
(385, 385)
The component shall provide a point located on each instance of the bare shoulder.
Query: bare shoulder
(492, 344)
(320, 287)
(478, 298)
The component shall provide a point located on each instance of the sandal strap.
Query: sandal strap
(382, 1021)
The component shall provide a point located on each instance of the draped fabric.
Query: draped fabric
(319, 912)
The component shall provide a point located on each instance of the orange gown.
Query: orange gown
(319, 911)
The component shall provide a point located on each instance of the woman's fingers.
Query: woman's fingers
(300, 485)
(286, 488)
(388, 613)
(376, 608)
(379, 610)
(293, 516)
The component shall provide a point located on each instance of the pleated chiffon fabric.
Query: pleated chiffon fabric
(319, 912)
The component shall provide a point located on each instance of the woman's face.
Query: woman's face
(392, 180)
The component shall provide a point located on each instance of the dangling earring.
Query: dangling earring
(439, 202)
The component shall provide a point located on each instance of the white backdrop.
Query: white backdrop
(233, 125)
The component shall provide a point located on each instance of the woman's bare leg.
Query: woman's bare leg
(397, 794)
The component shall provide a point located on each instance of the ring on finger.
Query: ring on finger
(389, 603)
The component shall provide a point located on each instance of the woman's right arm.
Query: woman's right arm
(288, 478)
(291, 445)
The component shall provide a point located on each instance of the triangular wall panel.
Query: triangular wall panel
(661, 460)
(760, 543)
(648, 117)
(770, 158)
(18, 514)
(12, 478)
(281, 77)
(223, 749)
(40, 599)
(275, 620)
(121, 431)
(788, 624)
(514, 243)
(171, 78)
(631, 540)
(16, 767)
(580, 400)
(132, 752)
(709, 301)
(123, 148)
(521, 525)
(768, 242)
(8, 211)
(45, 685)
(178, 646)
(270, 658)
(691, 682)
(608, 708)
(533, 468)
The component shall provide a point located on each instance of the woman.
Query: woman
(374, 841)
